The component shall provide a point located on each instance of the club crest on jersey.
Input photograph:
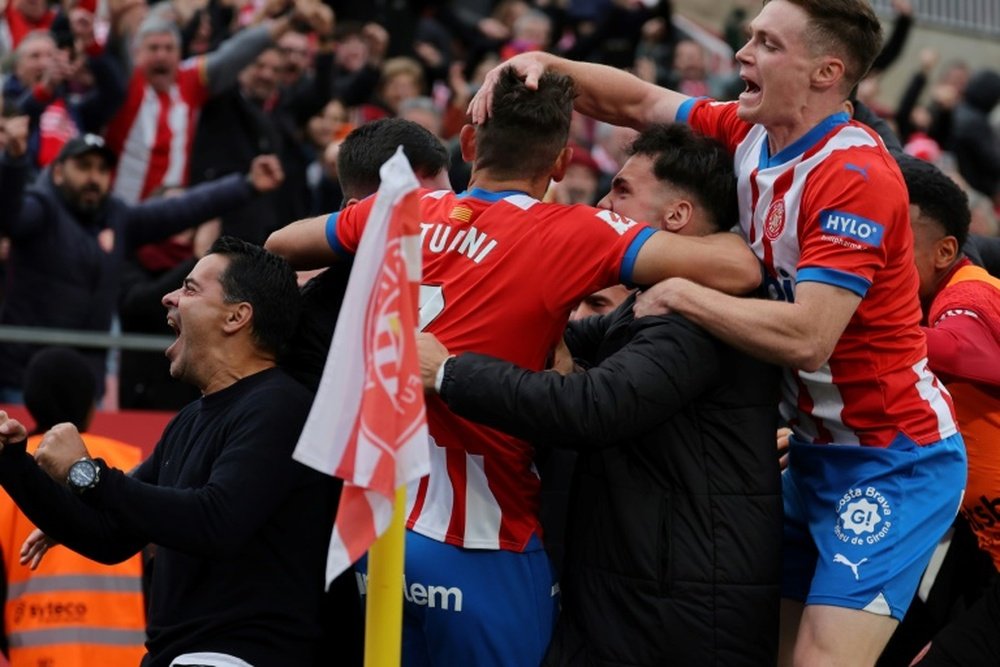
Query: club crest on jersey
(617, 222)
(851, 227)
(864, 516)
(774, 221)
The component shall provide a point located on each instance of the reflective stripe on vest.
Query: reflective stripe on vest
(74, 582)
(76, 635)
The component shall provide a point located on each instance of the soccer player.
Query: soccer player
(502, 271)
(823, 206)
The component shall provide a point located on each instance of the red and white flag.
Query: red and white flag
(368, 425)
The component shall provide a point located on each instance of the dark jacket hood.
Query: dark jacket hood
(983, 90)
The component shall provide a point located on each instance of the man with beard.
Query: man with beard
(69, 238)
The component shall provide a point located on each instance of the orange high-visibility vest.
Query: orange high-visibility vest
(72, 611)
(978, 411)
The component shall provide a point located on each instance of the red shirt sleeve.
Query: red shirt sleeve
(714, 119)
(851, 222)
(588, 246)
(962, 347)
(344, 228)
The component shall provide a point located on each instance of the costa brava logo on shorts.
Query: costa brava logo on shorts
(864, 516)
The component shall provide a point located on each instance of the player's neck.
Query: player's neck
(534, 187)
(781, 136)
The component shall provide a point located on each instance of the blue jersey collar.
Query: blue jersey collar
(803, 143)
(486, 195)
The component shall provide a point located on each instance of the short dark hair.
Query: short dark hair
(59, 386)
(848, 29)
(697, 164)
(368, 146)
(527, 128)
(939, 197)
(265, 281)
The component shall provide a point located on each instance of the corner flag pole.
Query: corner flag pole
(384, 608)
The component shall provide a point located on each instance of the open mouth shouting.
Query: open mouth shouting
(173, 321)
(751, 93)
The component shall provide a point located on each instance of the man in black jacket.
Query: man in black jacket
(673, 543)
(69, 238)
(241, 528)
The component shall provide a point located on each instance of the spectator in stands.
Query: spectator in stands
(360, 51)
(401, 79)
(69, 611)
(975, 144)
(676, 439)
(421, 110)
(70, 236)
(579, 185)
(532, 31)
(47, 87)
(162, 87)
(260, 115)
(689, 73)
(21, 17)
(241, 529)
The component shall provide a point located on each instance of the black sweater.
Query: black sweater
(673, 542)
(242, 530)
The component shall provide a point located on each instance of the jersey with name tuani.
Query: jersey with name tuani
(501, 273)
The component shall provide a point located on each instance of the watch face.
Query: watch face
(82, 474)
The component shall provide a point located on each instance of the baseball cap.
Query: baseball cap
(87, 143)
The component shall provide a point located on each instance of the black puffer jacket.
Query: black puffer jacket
(975, 142)
(673, 546)
(60, 275)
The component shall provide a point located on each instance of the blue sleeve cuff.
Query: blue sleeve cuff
(841, 279)
(631, 253)
(331, 236)
(684, 110)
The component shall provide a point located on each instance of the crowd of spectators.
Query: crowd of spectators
(185, 92)
(191, 90)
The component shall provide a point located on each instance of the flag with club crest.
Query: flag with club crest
(368, 425)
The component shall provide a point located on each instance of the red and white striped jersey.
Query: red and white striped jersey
(153, 131)
(501, 273)
(833, 208)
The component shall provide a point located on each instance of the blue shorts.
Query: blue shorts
(861, 522)
(475, 607)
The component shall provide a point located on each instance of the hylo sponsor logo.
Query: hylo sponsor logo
(852, 226)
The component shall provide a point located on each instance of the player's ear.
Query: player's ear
(562, 164)
(829, 72)
(945, 251)
(677, 216)
(467, 142)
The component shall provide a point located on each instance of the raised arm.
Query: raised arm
(57, 511)
(303, 243)
(605, 93)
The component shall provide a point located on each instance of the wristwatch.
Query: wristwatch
(83, 475)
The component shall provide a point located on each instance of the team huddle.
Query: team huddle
(771, 242)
